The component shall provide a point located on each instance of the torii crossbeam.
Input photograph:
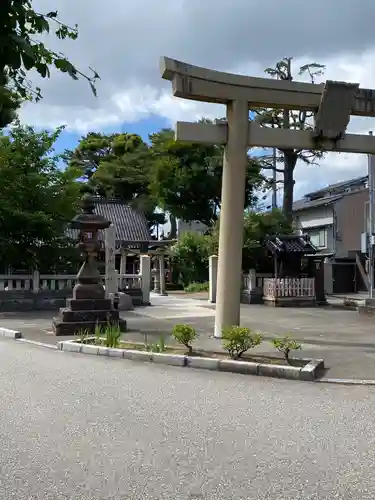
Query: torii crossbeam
(332, 102)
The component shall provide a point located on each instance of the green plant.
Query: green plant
(158, 346)
(112, 335)
(185, 334)
(237, 340)
(82, 335)
(285, 345)
(197, 287)
(98, 333)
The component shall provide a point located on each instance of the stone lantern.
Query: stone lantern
(89, 306)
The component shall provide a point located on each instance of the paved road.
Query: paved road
(81, 427)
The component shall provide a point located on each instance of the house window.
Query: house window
(319, 238)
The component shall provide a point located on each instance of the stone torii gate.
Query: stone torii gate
(332, 102)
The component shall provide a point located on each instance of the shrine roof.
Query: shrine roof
(290, 244)
(130, 224)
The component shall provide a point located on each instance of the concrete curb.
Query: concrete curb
(306, 373)
(10, 334)
(346, 381)
(39, 344)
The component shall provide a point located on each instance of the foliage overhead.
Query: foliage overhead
(22, 49)
(257, 226)
(37, 200)
(286, 159)
(186, 178)
(9, 102)
(117, 166)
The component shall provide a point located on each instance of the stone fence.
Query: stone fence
(35, 291)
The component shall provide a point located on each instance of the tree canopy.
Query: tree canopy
(190, 254)
(257, 226)
(38, 199)
(117, 166)
(183, 180)
(22, 49)
(186, 178)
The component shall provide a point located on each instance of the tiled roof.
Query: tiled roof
(305, 203)
(290, 244)
(130, 224)
(341, 184)
(329, 194)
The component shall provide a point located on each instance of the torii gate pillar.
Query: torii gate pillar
(231, 217)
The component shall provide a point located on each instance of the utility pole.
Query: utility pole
(371, 188)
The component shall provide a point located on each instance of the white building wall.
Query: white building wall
(321, 216)
(189, 227)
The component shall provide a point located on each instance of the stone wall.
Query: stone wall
(48, 300)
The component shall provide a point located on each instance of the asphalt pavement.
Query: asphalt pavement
(85, 427)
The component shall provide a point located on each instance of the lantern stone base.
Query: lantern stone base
(84, 315)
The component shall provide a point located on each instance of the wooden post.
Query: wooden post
(145, 272)
(111, 285)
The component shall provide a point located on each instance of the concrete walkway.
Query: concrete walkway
(344, 339)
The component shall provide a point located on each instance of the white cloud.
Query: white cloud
(123, 42)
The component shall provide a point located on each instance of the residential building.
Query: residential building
(190, 227)
(336, 217)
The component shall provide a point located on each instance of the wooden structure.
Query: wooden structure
(289, 287)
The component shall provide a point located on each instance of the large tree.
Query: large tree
(117, 166)
(186, 178)
(22, 49)
(257, 226)
(286, 159)
(37, 200)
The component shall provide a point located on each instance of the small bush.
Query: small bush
(285, 345)
(197, 287)
(185, 334)
(237, 340)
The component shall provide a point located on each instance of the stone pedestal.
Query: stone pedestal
(84, 314)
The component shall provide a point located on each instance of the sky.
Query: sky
(123, 42)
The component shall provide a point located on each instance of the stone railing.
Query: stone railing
(259, 280)
(36, 282)
(35, 291)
